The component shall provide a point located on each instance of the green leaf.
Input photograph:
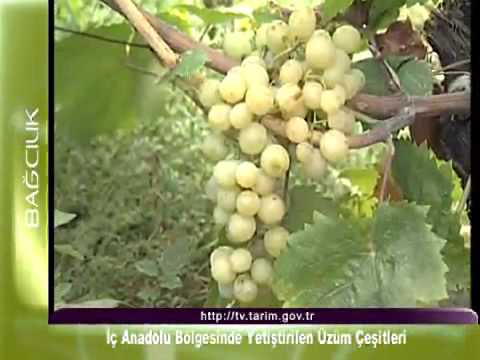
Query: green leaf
(384, 12)
(264, 15)
(332, 8)
(174, 20)
(211, 16)
(377, 77)
(190, 64)
(365, 179)
(425, 182)
(416, 78)
(63, 218)
(330, 263)
(95, 91)
(69, 250)
(303, 202)
(173, 261)
(147, 267)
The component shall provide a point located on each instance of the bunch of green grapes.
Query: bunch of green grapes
(302, 77)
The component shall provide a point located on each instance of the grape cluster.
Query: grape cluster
(302, 76)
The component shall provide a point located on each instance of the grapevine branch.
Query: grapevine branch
(397, 111)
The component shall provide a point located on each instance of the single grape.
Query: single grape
(322, 33)
(333, 76)
(342, 60)
(312, 92)
(315, 166)
(330, 101)
(221, 216)
(353, 82)
(220, 252)
(209, 94)
(347, 38)
(233, 88)
(264, 185)
(253, 139)
(218, 117)
(261, 36)
(334, 146)
(303, 151)
(262, 271)
(254, 59)
(291, 72)
(227, 198)
(257, 249)
(255, 74)
(241, 228)
(342, 120)
(241, 260)
(222, 271)
(272, 209)
(289, 98)
(240, 116)
(247, 174)
(260, 99)
(320, 52)
(277, 36)
(275, 240)
(297, 130)
(224, 173)
(237, 44)
(248, 203)
(302, 23)
(213, 147)
(275, 160)
(244, 289)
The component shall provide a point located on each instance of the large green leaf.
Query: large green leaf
(211, 16)
(416, 78)
(95, 91)
(190, 63)
(303, 202)
(332, 8)
(396, 262)
(377, 78)
(425, 182)
(384, 12)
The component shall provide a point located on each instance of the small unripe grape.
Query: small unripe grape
(334, 146)
(224, 173)
(220, 252)
(261, 36)
(247, 174)
(312, 92)
(214, 148)
(241, 260)
(233, 88)
(265, 185)
(277, 36)
(303, 151)
(227, 198)
(260, 99)
(353, 82)
(218, 117)
(221, 216)
(211, 189)
(209, 94)
(253, 139)
(255, 74)
(333, 76)
(222, 271)
(302, 23)
(275, 240)
(275, 160)
(347, 38)
(272, 209)
(291, 72)
(330, 101)
(254, 59)
(342, 120)
(342, 60)
(244, 289)
(225, 290)
(315, 166)
(237, 44)
(320, 52)
(297, 130)
(262, 271)
(241, 228)
(248, 203)
(240, 116)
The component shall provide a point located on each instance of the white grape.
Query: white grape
(334, 146)
(255, 74)
(247, 174)
(262, 271)
(320, 52)
(241, 260)
(227, 198)
(275, 240)
(347, 38)
(240, 116)
(302, 23)
(233, 88)
(218, 117)
(241, 228)
(260, 99)
(275, 160)
(237, 44)
(225, 173)
(291, 72)
(213, 147)
(220, 252)
(222, 271)
(342, 120)
(303, 151)
(312, 92)
(264, 185)
(297, 130)
(272, 209)
(209, 93)
(253, 139)
(244, 289)
(277, 36)
(315, 165)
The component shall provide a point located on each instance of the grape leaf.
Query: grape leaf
(384, 12)
(332, 8)
(377, 78)
(63, 218)
(303, 202)
(425, 182)
(173, 261)
(147, 267)
(66, 249)
(211, 16)
(364, 178)
(190, 64)
(264, 15)
(330, 263)
(416, 78)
